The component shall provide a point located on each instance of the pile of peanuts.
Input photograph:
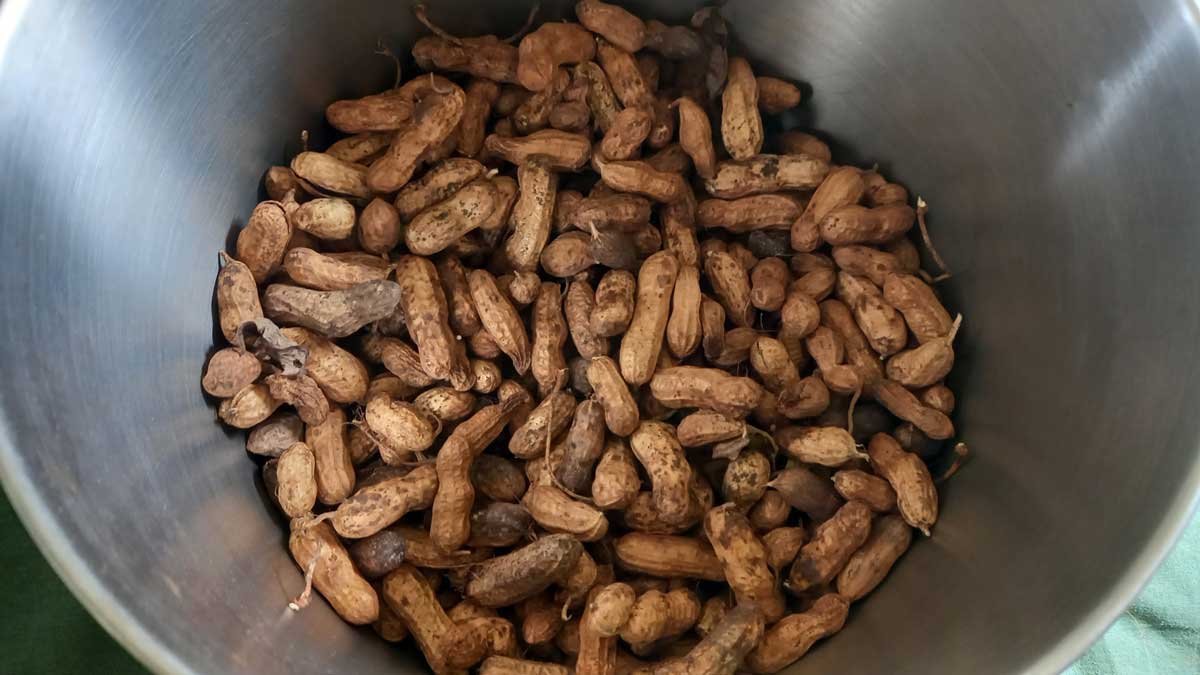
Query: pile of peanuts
(548, 379)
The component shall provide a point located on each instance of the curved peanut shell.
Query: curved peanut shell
(659, 452)
(643, 340)
(741, 124)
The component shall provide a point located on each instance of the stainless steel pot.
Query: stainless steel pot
(1056, 144)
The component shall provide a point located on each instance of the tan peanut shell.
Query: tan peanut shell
(866, 261)
(568, 254)
(296, 481)
(627, 132)
(440, 182)
(795, 142)
(497, 478)
(263, 241)
(939, 397)
(768, 284)
(746, 478)
(668, 556)
(550, 418)
(838, 317)
(783, 545)
(445, 403)
(279, 180)
(463, 318)
(506, 665)
(549, 337)
(332, 272)
(249, 406)
(903, 404)
(600, 97)
(731, 285)
(771, 511)
(765, 173)
(562, 150)
(923, 312)
(776, 95)
(582, 448)
(433, 121)
(613, 23)
(643, 514)
(555, 511)
(889, 539)
(744, 559)
(711, 388)
(614, 303)
(695, 136)
(376, 506)
(228, 371)
(640, 178)
(863, 225)
(334, 464)
(446, 648)
(550, 46)
(330, 175)
(873, 491)
(620, 409)
(659, 452)
(481, 94)
(400, 428)
(532, 215)
(500, 318)
(534, 113)
(333, 314)
(825, 446)
(623, 74)
(807, 492)
(723, 648)
(741, 124)
(790, 639)
(683, 327)
(237, 297)
(643, 340)
(325, 218)
(705, 427)
(379, 227)
(616, 482)
(527, 571)
(424, 305)
(316, 546)
(579, 305)
(748, 214)
(832, 544)
(916, 495)
(572, 116)
(484, 56)
(278, 433)
(843, 186)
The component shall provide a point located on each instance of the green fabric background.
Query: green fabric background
(44, 630)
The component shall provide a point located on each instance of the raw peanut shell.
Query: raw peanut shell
(445, 403)
(509, 579)
(229, 371)
(614, 303)
(325, 218)
(498, 478)
(500, 319)
(623, 74)
(440, 225)
(668, 556)
(506, 665)
(555, 511)
(640, 178)
(768, 284)
(807, 492)
(832, 544)
(499, 525)
(741, 124)
(332, 272)
(616, 482)
(627, 132)
(568, 254)
(916, 495)
(485, 57)
(424, 305)
(334, 575)
(251, 405)
(532, 215)
(263, 241)
(579, 306)
(563, 151)
(439, 183)
(481, 95)
(276, 434)
(745, 479)
(766, 173)
(744, 559)
(446, 648)
(549, 337)
(279, 180)
(723, 648)
(793, 142)
(939, 397)
(400, 428)
(863, 225)
(711, 388)
(679, 230)
(770, 512)
(550, 46)
(825, 446)
(643, 515)
(534, 113)
(296, 481)
(600, 97)
(790, 639)
(731, 285)
(582, 448)
(379, 227)
(783, 545)
(712, 327)
(571, 116)
(334, 314)
(683, 327)
(360, 148)
(695, 136)
(776, 95)
(434, 120)
(334, 465)
(612, 23)
(331, 175)
(923, 312)
(866, 569)
(643, 340)
(659, 452)
(866, 261)
(873, 491)
(705, 427)
(747, 214)
(551, 417)
(237, 297)
(903, 404)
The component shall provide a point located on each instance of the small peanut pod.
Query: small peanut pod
(711, 388)
(783, 545)
(749, 214)
(873, 491)
(439, 183)
(695, 136)
(583, 447)
(655, 446)
(668, 556)
(613, 23)
(620, 410)
(770, 360)
(328, 174)
(618, 211)
(579, 305)
(500, 525)
(712, 327)
(550, 46)
(807, 492)
(714, 609)
(569, 254)
(793, 142)
(296, 481)
(614, 303)
(916, 495)
(683, 327)
(335, 466)
(434, 120)
(237, 297)
(534, 113)
(339, 373)
(445, 222)
(228, 371)
(360, 148)
(481, 95)
(549, 337)
(509, 579)
(640, 178)
(731, 285)
(643, 515)
(890, 538)
(506, 665)
(541, 619)
(866, 261)
(597, 650)
(766, 173)
(843, 186)
(600, 97)
(790, 639)
(923, 312)
(333, 271)
(485, 56)
(334, 314)
(498, 478)
(377, 555)
(881, 323)
(316, 547)
(445, 403)
(463, 318)
(705, 427)
(376, 506)
(643, 340)
(500, 319)
(862, 225)
(679, 230)
(379, 227)
(626, 134)
(832, 544)
(263, 241)
(776, 95)
(826, 446)
(555, 511)
(560, 150)
(771, 511)
(827, 350)
(279, 180)
(401, 360)
(903, 404)
(399, 428)
(325, 218)
(572, 116)
(272, 437)
(446, 648)
(550, 418)
(746, 478)
(423, 553)
(251, 405)
(616, 483)
(741, 124)
(744, 559)
(880, 192)
(939, 397)
(723, 648)
(532, 216)
(838, 317)
(768, 284)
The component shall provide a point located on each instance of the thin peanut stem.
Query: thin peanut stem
(922, 207)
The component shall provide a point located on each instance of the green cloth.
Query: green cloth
(44, 630)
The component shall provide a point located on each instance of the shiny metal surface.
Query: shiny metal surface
(1056, 144)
